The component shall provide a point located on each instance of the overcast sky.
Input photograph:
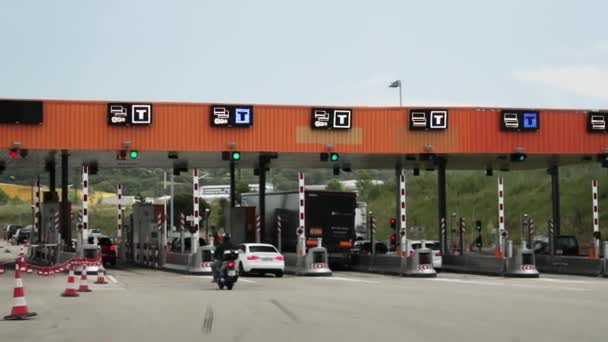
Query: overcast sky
(541, 53)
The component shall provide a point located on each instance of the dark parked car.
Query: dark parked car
(10, 230)
(364, 247)
(564, 245)
(176, 245)
(23, 235)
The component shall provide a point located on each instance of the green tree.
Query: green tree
(335, 185)
(3, 197)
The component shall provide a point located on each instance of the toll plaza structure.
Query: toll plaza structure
(182, 136)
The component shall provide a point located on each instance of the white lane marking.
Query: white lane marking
(354, 280)
(566, 281)
(485, 283)
(112, 279)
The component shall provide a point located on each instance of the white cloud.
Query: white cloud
(585, 80)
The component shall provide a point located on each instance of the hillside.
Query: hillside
(470, 194)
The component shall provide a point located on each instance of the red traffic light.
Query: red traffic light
(13, 153)
(393, 221)
(394, 237)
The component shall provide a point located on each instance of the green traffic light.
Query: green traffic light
(134, 154)
(236, 155)
(334, 157)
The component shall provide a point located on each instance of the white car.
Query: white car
(433, 245)
(260, 258)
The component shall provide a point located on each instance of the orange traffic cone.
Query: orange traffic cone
(84, 286)
(70, 289)
(1, 268)
(101, 276)
(20, 310)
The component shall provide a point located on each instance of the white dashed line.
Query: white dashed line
(354, 280)
(112, 279)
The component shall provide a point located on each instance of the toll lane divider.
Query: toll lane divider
(571, 265)
(418, 265)
(474, 264)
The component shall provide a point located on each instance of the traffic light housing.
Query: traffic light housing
(134, 154)
(518, 157)
(603, 158)
(393, 223)
(333, 157)
(122, 154)
(231, 155)
(478, 225)
(393, 241)
(479, 242)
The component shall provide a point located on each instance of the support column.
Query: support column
(263, 161)
(596, 219)
(52, 177)
(119, 221)
(501, 233)
(232, 185)
(441, 203)
(171, 205)
(554, 172)
(66, 229)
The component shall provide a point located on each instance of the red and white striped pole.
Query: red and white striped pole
(301, 232)
(85, 202)
(195, 212)
(37, 206)
(596, 218)
(56, 226)
(182, 221)
(402, 217)
(501, 215)
(120, 211)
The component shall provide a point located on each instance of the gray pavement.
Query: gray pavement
(148, 305)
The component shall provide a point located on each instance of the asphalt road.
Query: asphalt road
(147, 305)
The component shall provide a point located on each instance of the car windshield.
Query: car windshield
(262, 249)
(104, 242)
(432, 245)
(416, 245)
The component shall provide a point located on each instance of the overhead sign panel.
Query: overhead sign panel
(332, 118)
(21, 112)
(520, 120)
(231, 116)
(597, 122)
(428, 119)
(127, 114)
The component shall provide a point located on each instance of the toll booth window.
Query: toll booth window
(526, 259)
(318, 257)
(425, 258)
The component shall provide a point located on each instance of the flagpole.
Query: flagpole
(400, 95)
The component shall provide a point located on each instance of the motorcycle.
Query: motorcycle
(228, 272)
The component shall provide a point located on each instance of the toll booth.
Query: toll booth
(522, 263)
(144, 234)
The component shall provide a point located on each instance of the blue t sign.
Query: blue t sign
(530, 121)
(242, 116)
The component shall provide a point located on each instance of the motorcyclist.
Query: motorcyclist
(218, 255)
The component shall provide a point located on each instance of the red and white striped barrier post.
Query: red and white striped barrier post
(20, 310)
(85, 202)
(119, 211)
(301, 231)
(596, 219)
(195, 210)
(159, 225)
(258, 228)
(402, 217)
(56, 225)
(182, 229)
(37, 215)
(501, 217)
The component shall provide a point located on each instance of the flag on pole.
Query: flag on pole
(395, 84)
